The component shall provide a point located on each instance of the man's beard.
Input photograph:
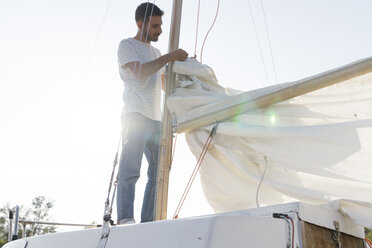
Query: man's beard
(154, 37)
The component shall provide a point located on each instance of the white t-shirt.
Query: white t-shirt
(142, 96)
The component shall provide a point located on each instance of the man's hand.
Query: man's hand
(178, 55)
(144, 70)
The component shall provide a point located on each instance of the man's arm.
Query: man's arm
(147, 69)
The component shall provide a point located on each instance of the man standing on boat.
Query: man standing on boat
(141, 69)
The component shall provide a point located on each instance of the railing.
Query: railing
(13, 234)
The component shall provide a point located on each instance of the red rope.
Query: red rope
(195, 171)
(369, 243)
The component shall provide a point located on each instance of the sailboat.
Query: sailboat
(295, 224)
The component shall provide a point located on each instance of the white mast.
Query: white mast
(167, 133)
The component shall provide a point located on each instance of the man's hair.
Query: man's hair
(144, 10)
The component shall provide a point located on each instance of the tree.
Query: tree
(368, 234)
(38, 212)
(4, 225)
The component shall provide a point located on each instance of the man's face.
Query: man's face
(153, 27)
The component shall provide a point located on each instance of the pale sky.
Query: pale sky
(60, 92)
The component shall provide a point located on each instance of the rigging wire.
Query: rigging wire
(266, 73)
(259, 185)
(197, 29)
(195, 171)
(96, 41)
(108, 206)
(258, 41)
(141, 35)
(268, 38)
(174, 148)
(205, 38)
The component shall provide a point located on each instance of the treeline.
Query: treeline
(39, 211)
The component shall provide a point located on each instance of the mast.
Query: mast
(165, 152)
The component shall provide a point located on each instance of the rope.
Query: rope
(174, 148)
(369, 243)
(259, 185)
(268, 38)
(196, 169)
(214, 21)
(292, 231)
(197, 29)
(148, 26)
(286, 217)
(141, 35)
(336, 234)
(289, 232)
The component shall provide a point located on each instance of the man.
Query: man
(141, 69)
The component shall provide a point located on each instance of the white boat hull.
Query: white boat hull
(249, 228)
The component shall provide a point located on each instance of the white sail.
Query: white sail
(316, 147)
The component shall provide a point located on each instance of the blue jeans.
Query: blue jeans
(142, 136)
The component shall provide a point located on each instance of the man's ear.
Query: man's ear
(140, 25)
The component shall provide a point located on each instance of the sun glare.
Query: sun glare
(272, 119)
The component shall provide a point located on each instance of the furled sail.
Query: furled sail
(315, 148)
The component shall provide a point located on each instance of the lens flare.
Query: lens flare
(272, 119)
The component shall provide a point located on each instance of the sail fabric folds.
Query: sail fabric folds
(315, 148)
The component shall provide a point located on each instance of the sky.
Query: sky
(61, 94)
